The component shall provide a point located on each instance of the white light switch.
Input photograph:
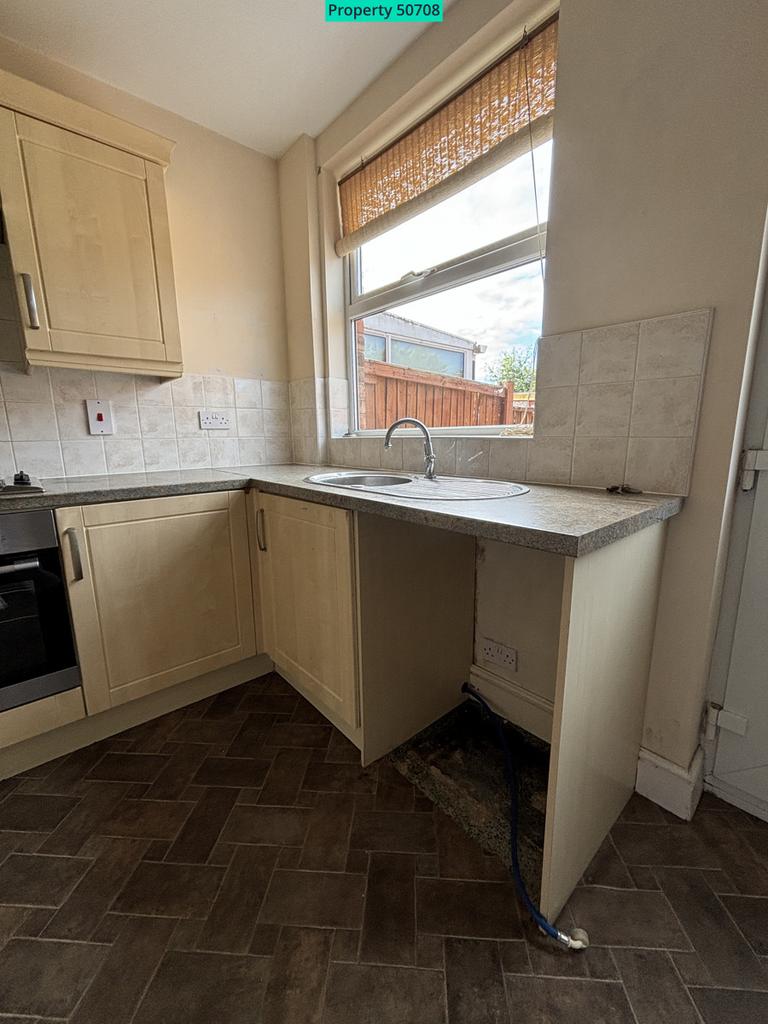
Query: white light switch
(215, 420)
(99, 416)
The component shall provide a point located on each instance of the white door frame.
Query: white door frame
(753, 421)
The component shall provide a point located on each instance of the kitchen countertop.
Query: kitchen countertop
(564, 520)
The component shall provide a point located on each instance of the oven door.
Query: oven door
(37, 656)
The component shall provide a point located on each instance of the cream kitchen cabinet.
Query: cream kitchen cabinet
(159, 591)
(87, 228)
(308, 601)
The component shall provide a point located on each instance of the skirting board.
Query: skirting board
(676, 789)
(737, 797)
(519, 706)
(23, 756)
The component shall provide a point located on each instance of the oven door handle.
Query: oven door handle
(74, 550)
(24, 565)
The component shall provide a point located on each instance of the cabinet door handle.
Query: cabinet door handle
(260, 530)
(74, 550)
(29, 293)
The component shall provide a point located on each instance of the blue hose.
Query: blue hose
(579, 939)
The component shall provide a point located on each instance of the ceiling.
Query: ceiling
(258, 71)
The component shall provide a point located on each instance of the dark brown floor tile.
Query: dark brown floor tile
(306, 714)
(285, 777)
(46, 977)
(21, 842)
(266, 826)
(314, 899)
(722, 948)
(232, 771)
(251, 735)
(474, 982)
(357, 862)
(600, 963)
(393, 832)
(11, 918)
(654, 988)
(548, 959)
(720, 1006)
(274, 683)
(206, 730)
(109, 928)
(128, 767)
(270, 703)
(384, 995)
(423, 804)
(264, 939)
(32, 880)
(170, 890)
(341, 750)
(346, 946)
(642, 810)
(340, 778)
(147, 819)
(22, 813)
(183, 761)
(157, 849)
(691, 969)
(201, 830)
(751, 915)
(607, 868)
(35, 921)
(116, 990)
(327, 841)
(290, 856)
(149, 737)
(288, 734)
(427, 865)
(389, 923)
(201, 988)
(68, 774)
(89, 902)
(227, 702)
(394, 792)
(98, 803)
(736, 854)
(231, 922)
(297, 976)
(514, 957)
(643, 877)
(564, 1000)
(429, 952)
(482, 910)
(627, 917)
(185, 936)
(461, 857)
(673, 845)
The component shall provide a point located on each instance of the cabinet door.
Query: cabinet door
(308, 600)
(159, 589)
(88, 233)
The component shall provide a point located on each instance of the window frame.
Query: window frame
(516, 250)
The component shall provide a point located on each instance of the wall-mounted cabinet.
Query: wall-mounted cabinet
(86, 227)
(159, 590)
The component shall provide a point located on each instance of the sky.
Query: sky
(502, 311)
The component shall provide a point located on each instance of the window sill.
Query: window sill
(455, 432)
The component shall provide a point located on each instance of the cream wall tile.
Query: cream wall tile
(338, 393)
(187, 421)
(250, 422)
(302, 393)
(599, 461)
(32, 421)
(73, 421)
(549, 460)
(275, 394)
(151, 391)
(279, 449)
(371, 449)
(84, 458)
(508, 458)
(392, 458)
(557, 360)
(659, 464)
(248, 393)
(350, 452)
(673, 346)
(7, 464)
(413, 454)
(161, 454)
(71, 385)
(308, 452)
(123, 456)
(252, 451)
(157, 421)
(188, 390)
(603, 410)
(555, 412)
(276, 421)
(665, 408)
(125, 419)
(18, 386)
(223, 451)
(219, 391)
(116, 387)
(473, 457)
(194, 452)
(39, 458)
(303, 422)
(5, 434)
(608, 354)
(446, 453)
(339, 422)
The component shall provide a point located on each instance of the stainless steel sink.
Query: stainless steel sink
(419, 488)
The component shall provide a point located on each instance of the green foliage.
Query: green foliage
(517, 365)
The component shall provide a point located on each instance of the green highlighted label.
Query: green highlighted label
(384, 12)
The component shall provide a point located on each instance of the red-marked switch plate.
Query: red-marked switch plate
(99, 416)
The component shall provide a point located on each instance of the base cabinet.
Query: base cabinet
(305, 554)
(159, 590)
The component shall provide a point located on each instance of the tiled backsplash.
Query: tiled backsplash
(44, 430)
(615, 404)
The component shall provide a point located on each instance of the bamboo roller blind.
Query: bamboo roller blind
(490, 118)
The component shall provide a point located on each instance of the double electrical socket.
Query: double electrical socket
(214, 420)
(498, 654)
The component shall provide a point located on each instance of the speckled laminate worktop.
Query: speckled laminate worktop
(563, 520)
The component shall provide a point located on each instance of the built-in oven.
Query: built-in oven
(37, 652)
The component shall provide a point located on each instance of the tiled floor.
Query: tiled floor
(231, 863)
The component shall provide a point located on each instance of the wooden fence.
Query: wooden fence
(388, 392)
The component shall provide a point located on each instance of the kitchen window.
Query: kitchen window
(445, 271)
